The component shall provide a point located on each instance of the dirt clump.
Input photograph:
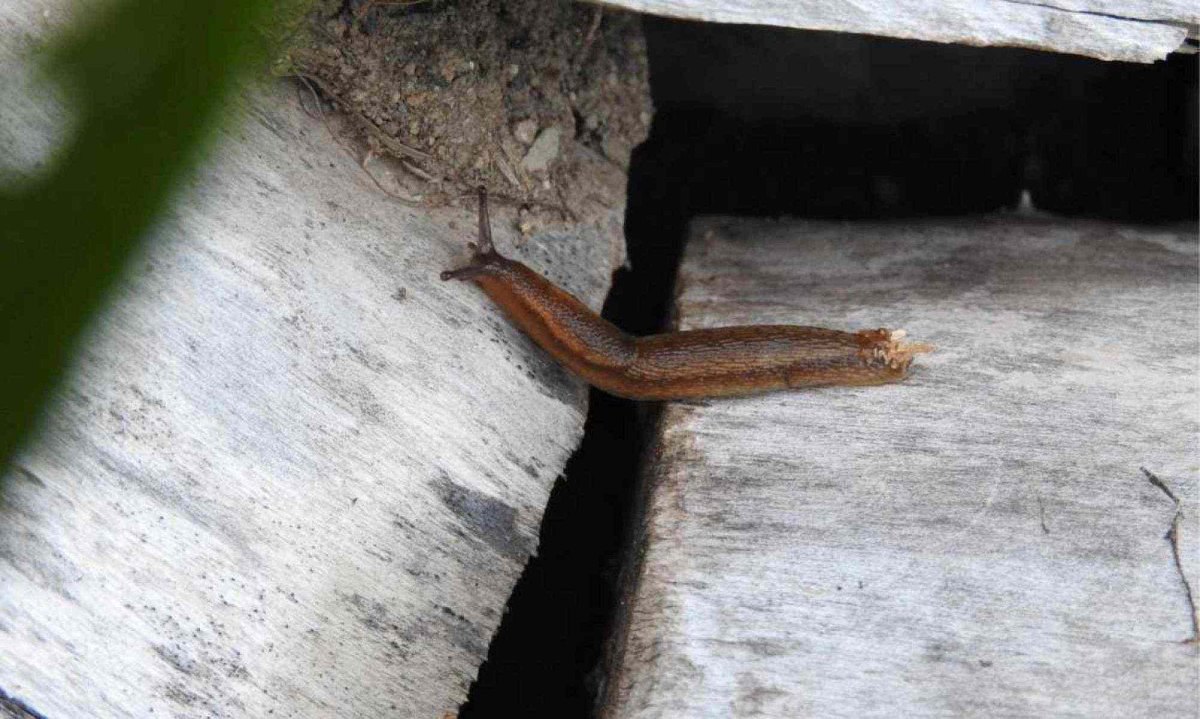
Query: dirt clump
(540, 101)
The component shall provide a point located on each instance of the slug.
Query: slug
(694, 364)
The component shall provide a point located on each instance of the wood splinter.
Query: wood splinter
(694, 364)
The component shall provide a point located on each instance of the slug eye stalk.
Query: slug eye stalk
(481, 252)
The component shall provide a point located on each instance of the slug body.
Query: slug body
(716, 362)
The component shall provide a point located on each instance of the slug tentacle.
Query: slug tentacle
(694, 364)
(483, 254)
(463, 273)
(485, 225)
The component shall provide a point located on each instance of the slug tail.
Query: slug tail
(898, 353)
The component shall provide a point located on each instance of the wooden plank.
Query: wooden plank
(293, 474)
(1141, 31)
(982, 539)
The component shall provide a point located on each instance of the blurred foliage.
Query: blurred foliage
(146, 80)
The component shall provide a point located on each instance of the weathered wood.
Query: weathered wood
(293, 474)
(1141, 31)
(983, 539)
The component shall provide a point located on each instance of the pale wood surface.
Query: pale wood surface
(1139, 31)
(293, 474)
(980, 540)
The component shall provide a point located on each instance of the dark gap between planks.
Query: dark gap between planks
(764, 122)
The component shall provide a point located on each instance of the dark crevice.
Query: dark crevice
(12, 708)
(544, 659)
(761, 121)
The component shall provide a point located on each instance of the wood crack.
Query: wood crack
(1110, 16)
(1172, 536)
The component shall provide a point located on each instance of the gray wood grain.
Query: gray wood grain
(982, 539)
(1138, 31)
(293, 473)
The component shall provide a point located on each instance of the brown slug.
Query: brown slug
(716, 362)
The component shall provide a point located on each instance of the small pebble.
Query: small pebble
(525, 131)
(543, 151)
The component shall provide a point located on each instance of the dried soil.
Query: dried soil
(540, 101)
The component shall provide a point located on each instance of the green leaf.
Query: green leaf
(147, 80)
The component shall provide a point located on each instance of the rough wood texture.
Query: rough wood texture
(1139, 31)
(983, 539)
(293, 474)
